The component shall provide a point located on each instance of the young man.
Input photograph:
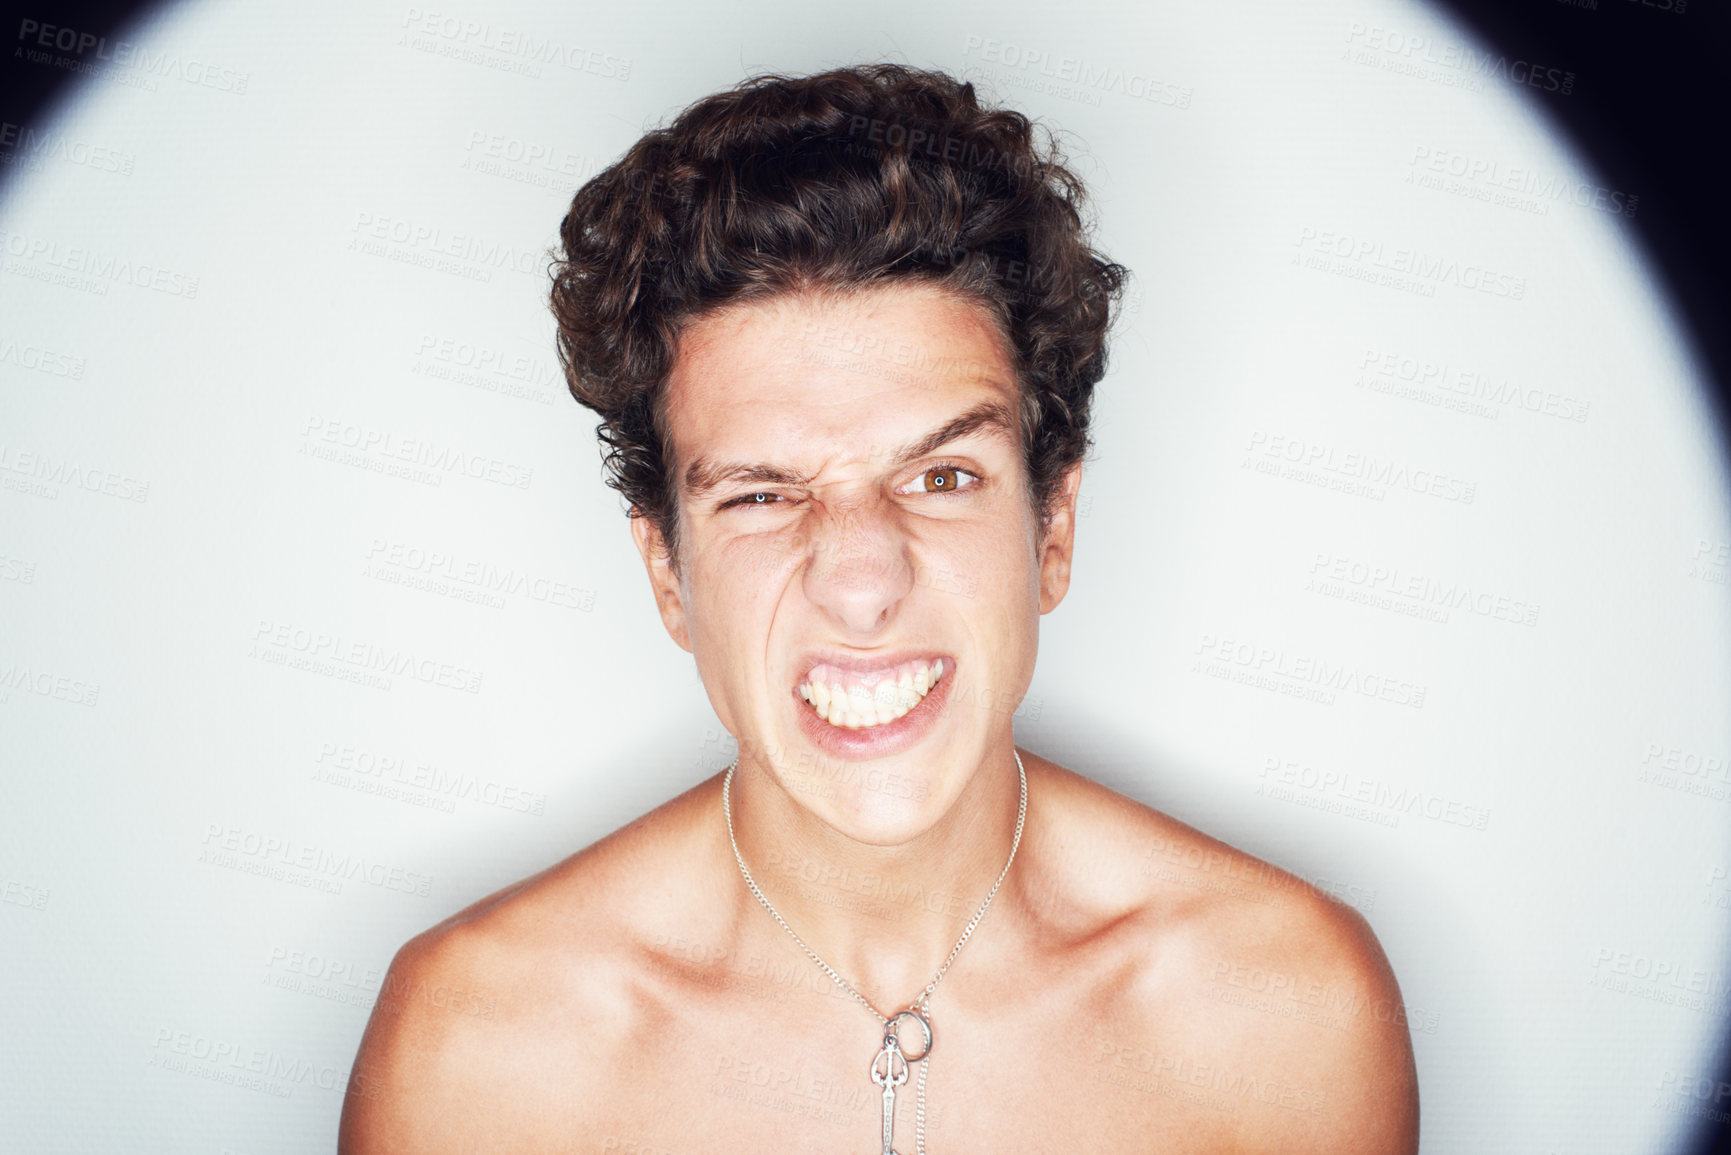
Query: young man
(843, 332)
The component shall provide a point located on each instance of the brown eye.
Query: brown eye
(946, 478)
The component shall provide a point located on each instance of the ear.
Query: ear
(1059, 541)
(663, 578)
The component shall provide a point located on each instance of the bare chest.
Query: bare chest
(758, 1068)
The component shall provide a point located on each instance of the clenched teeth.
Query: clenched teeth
(842, 700)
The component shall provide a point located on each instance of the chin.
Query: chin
(878, 817)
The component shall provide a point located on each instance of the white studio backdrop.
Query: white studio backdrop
(1403, 560)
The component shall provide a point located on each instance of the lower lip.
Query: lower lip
(877, 741)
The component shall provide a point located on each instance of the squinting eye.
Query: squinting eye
(943, 478)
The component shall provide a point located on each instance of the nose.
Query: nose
(859, 568)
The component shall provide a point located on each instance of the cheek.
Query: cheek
(993, 555)
(751, 559)
(737, 587)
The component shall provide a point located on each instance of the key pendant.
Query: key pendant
(889, 1071)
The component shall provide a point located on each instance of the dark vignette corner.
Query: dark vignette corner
(1648, 111)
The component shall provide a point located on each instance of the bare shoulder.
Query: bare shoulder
(1297, 984)
(1260, 994)
(477, 1016)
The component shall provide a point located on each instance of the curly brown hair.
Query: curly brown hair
(832, 182)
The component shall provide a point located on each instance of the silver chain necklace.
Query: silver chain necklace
(889, 1068)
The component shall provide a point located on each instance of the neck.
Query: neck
(885, 917)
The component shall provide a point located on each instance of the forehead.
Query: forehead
(815, 378)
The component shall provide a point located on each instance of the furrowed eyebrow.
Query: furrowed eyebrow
(703, 476)
(991, 416)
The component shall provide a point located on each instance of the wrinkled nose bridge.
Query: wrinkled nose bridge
(855, 535)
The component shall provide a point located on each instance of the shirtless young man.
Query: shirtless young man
(843, 331)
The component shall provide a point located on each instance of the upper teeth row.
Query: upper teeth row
(855, 706)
